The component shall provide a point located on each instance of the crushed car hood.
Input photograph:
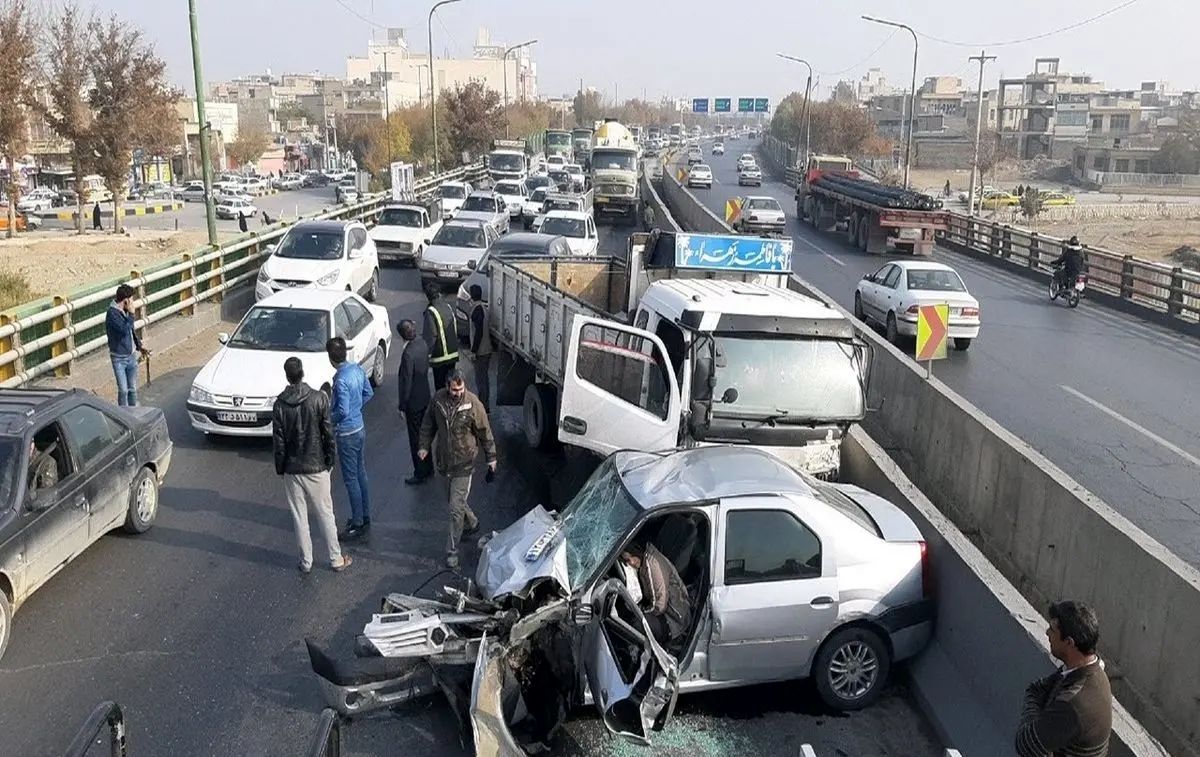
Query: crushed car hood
(531, 548)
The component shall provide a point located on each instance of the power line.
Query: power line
(358, 15)
(864, 60)
(1043, 35)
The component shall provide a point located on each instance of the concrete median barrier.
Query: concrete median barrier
(126, 211)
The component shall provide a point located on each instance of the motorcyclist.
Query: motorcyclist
(1069, 264)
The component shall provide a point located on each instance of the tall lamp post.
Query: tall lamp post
(204, 130)
(504, 71)
(912, 96)
(432, 91)
(804, 115)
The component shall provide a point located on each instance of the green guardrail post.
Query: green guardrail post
(142, 311)
(62, 323)
(218, 281)
(189, 292)
(7, 344)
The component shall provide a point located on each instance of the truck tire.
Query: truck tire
(864, 233)
(539, 416)
(852, 230)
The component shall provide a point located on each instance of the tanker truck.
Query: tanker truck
(615, 172)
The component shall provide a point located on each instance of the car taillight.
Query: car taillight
(926, 571)
(971, 312)
(913, 309)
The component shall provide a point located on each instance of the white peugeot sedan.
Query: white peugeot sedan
(514, 193)
(322, 255)
(893, 295)
(577, 226)
(700, 175)
(232, 206)
(455, 250)
(234, 392)
(452, 195)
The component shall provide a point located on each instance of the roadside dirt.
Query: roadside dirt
(56, 261)
(1155, 239)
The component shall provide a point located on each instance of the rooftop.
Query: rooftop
(705, 473)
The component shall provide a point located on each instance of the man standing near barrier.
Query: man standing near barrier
(1069, 712)
(302, 437)
(458, 423)
(481, 347)
(124, 346)
(413, 383)
(350, 391)
(440, 338)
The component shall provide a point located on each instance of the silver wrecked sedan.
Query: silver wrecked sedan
(787, 577)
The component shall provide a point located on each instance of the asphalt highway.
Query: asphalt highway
(1107, 397)
(197, 627)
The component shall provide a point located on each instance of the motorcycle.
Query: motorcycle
(1072, 293)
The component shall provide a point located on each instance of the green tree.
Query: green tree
(474, 118)
(18, 48)
(1032, 203)
(375, 143)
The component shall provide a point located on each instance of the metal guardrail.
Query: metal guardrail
(48, 335)
(106, 714)
(327, 741)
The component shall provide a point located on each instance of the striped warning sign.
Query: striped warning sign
(733, 210)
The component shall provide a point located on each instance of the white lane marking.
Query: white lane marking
(818, 249)
(1134, 425)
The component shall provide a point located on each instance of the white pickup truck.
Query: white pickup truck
(404, 228)
(737, 359)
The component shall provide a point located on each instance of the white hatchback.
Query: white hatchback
(322, 255)
(893, 296)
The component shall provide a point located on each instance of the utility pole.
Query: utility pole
(504, 70)
(432, 91)
(205, 129)
(983, 58)
(387, 110)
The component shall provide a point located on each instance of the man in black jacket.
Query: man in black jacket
(413, 382)
(304, 455)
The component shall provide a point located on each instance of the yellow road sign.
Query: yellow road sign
(733, 210)
(933, 324)
(680, 175)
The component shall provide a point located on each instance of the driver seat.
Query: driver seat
(677, 541)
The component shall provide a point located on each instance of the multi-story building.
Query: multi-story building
(1045, 113)
(257, 101)
(872, 84)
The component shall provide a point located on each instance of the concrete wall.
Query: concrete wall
(690, 212)
(662, 215)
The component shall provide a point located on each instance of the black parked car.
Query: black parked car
(72, 468)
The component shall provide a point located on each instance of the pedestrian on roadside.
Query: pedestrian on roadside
(946, 189)
(1069, 712)
(96, 217)
(481, 347)
(458, 424)
(302, 435)
(242, 222)
(1020, 190)
(414, 396)
(124, 345)
(438, 330)
(350, 391)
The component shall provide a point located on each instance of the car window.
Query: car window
(934, 280)
(359, 316)
(769, 545)
(629, 367)
(291, 329)
(342, 323)
(892, 277)
(460, 235)
(879, 275)
(91, 431)
(485, 204)
(358, 238)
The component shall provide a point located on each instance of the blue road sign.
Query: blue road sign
(700, 105)
(761, 105)
(733, 253)
(745, 105)
(722, 104)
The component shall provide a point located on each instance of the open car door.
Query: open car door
(619, 391)
(634, 682)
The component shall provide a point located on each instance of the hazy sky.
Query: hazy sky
(692, 48)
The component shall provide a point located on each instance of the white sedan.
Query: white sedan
(577, 226)
(235, 390)
(231, 207)
(892, 297)
(322, 255)
(700, 175)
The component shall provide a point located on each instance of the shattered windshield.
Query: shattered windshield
(595, 521)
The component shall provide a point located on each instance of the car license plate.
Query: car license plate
(600, 200)
(447, 274)
(237, 417)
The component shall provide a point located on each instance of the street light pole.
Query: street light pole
(205, 129)
(983, 57)
(432, 90)
(387, 109)
(912, 97)
(504, 71)
(806, 122)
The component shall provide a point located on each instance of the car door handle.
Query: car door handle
(573, 425)
(821, 602)
(81, 502)
(130, 460)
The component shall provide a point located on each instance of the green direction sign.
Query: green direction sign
(761, 105)
(722, 105)
(745, 105)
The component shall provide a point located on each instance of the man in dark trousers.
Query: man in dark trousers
(96, 217)
(481, 347)
(413, 383)
(302, 437)
(1069, 712)
(440, 336)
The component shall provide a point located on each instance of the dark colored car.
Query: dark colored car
(539, 180)
(72, 468)
(523, 244)
(562, 180)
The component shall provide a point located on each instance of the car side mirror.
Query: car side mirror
(223, 337)
(271, 248)
(471, 264)
(428, 241)
(357, 252)
(730, 396)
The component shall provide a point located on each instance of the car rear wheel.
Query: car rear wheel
(858, 308)
(892, 333)
(851, 669)
(962, 345)
(143, 502)
(376, 377)
(538, 414)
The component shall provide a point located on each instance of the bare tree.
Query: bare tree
(133, 105)
(249, 146)
(17, 51)
(65, 57)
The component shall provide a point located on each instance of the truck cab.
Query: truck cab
(507, 160)
(615, 172)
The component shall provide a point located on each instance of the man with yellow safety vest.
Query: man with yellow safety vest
(440, 336)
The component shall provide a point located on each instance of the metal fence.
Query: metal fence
(1135, 180)
(48, 335)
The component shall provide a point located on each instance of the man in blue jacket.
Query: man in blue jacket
(351, 391)
(124, 345)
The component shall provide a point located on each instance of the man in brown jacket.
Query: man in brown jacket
(1069, 712)
(458, 423)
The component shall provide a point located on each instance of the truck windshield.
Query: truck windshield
(595, 521)
(506, 161)
(616, 160)
(790, 379)
(558, 139)
(400, 217)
